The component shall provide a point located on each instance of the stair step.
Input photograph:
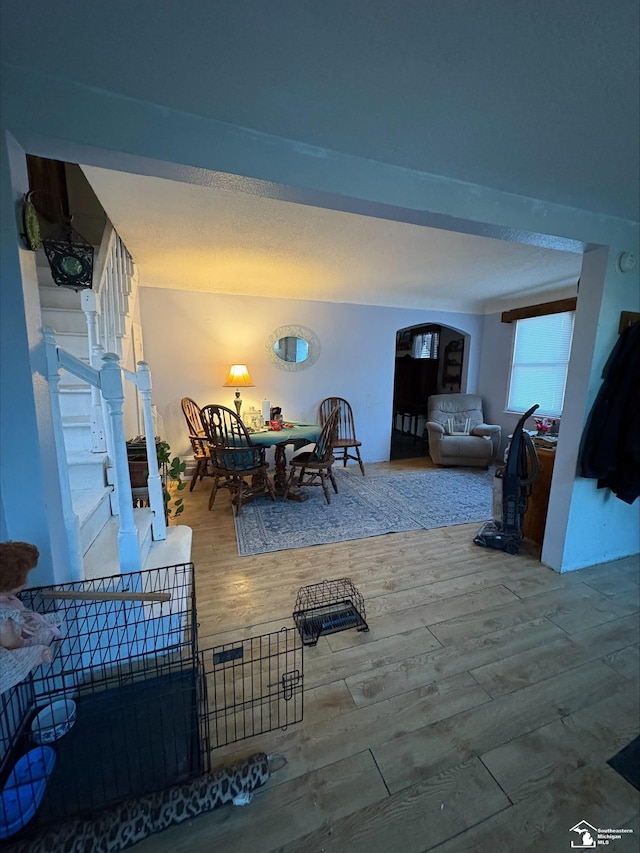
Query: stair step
(93, 509)
(74, 399)
(172, 551)
(101, 560)
(87, 470)
(63, 319)
(52, 296)
(77, 433)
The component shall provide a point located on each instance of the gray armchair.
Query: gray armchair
(457, 432)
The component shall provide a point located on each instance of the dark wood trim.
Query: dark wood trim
(557, 307)
(48, 183)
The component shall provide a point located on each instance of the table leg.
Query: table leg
(280, 476)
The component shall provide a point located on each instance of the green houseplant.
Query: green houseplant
(171, 470)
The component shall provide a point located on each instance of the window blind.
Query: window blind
(426, 345)
(539, 366)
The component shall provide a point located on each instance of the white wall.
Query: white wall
(585, 525)
(192, 338)
(599, 527)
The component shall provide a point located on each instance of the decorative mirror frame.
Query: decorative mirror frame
(293, 332)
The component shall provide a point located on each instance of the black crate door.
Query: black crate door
(251, 687)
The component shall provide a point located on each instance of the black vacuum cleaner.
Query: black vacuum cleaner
(512, 487)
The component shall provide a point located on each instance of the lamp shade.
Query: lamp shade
(238, 377)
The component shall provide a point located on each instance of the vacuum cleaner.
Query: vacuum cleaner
(512, 487)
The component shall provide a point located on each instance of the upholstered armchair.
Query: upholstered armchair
(457, 432)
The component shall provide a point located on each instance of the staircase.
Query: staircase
(85, 456)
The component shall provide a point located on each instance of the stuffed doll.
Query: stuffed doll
(25, 636)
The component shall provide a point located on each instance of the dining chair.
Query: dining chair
(197, 438)
(234, 457)
(313, 462)
(346, 439)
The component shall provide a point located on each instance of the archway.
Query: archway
(429, 359)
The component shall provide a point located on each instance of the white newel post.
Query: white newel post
(98, 439)
(72, 525)
(154, 483)
(113, 392)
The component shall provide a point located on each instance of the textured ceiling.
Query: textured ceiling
(214, 239)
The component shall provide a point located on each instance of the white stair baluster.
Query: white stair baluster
(113, 392)
(88, 302)
(154, 483)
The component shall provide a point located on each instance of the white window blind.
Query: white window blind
(539, 367)
(425, 345)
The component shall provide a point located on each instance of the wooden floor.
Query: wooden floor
(476, 715)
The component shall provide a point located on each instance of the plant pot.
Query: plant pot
(138, 473)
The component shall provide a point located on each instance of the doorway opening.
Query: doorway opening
(430, 359)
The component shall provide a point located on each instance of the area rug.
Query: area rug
(366, 506)
(627, 763)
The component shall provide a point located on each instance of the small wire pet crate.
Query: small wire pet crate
(328, 607)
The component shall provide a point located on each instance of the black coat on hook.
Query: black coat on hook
(610, 450)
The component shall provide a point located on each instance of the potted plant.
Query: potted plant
(171, 470)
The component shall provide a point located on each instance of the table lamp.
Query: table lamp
(238, 378)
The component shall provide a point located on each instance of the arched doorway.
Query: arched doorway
(430, 359)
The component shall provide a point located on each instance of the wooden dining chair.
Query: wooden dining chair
(234, 458)
(311, 466)
(346, 439)
(197, 439)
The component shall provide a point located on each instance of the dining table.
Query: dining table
(298, 435)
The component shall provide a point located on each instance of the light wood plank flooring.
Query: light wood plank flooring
(477, 715)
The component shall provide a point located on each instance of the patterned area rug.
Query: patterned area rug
(366, 506)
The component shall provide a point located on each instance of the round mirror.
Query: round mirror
(292, 348)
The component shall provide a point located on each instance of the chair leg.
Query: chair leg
(292, 474)
(270, 487)
(214, 489)
(359, 460)
(195, 477)
(325, 488)
(237, 490)
(333, 480)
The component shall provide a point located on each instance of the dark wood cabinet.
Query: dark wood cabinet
(535, 517)
(452, 368)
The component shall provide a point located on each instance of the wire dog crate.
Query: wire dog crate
(148, 707)
(125, 672)
(328, 607)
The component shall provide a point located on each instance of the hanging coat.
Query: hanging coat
(610, 448)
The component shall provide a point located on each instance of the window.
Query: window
(425, 345)
(539, 365)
